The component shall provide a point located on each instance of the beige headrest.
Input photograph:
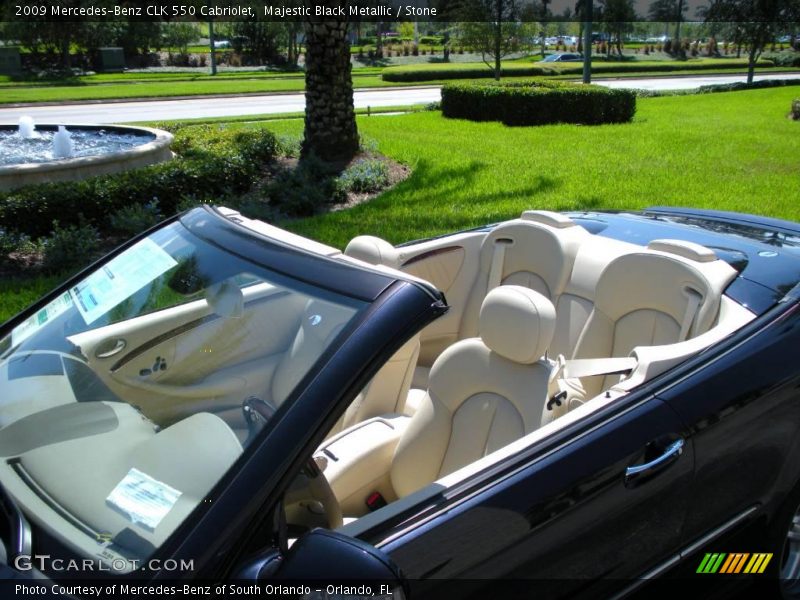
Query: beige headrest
(372, 250)
(547, 217)
(323, 319)
(689, 250)
(517, 323)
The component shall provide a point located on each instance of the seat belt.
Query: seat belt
(498, 259)
(691, 312)
(590, 367)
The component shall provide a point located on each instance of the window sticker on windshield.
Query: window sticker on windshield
(33, 324)
(118, 279)
(142, 499)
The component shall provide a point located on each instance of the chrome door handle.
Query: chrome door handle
(673, 451)
(109, 348)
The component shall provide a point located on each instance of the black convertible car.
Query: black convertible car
(572, 404)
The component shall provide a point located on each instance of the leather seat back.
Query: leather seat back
(540, 248)
(483, 393)
(321, 322)
(649, 298)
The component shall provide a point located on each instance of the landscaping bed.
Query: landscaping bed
(55, 228)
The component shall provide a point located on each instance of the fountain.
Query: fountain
(31, 153)
(62, 143)
(26, 127)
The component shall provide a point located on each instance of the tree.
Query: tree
(330, 122)
(618, 16)
(492, 28)
(757, 22)
(670, 11)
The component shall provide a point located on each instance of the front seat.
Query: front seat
(483, 393)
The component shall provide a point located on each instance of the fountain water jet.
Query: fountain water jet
(26, 127)
(62, 143)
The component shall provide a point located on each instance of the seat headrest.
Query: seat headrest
(373, 250)
(547, 217)
(324, 320)
(689, 250)
(517, 323)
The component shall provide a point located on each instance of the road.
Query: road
(686, 83)
(195, 108)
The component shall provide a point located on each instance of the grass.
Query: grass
(729, 151)
(170, 84)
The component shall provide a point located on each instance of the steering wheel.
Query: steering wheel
(256, 414)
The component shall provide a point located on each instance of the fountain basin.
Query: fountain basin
(154, 148)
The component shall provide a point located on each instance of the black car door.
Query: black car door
(574, 518)
(743, 409)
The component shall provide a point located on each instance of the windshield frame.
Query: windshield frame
(342, 277)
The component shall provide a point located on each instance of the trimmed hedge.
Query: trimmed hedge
(416, 73)
(406, 74)
(538, 103)
(210, 161)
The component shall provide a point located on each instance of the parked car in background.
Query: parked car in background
(563, 57)
(560, 405)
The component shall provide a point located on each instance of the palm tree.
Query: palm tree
(330, 124)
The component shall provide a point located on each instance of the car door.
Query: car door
(573, 519)
(743, 411)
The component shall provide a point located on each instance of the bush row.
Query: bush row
(742, 85)
(444, 72)
(538, 103)
(409, 74)
(786, 58)
(210, 161)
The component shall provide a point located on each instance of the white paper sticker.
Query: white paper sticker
(120, 278)
(142, 499)
(33, 324)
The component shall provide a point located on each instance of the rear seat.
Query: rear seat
(610, 296)
(661, 295)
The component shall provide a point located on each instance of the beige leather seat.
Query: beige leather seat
(321, 322)
(483, 392)
(651, 298)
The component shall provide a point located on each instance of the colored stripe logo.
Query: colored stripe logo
(735, 562)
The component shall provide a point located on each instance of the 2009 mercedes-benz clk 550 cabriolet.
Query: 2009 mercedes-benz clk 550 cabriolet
(585, 400)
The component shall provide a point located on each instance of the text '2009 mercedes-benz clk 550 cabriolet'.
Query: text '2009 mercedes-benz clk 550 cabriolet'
(576, 402)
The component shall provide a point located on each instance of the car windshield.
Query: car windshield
(126, 398)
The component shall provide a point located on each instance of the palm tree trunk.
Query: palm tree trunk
(330, 123)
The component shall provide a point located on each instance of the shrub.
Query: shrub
(413, 73)
(136, 218)
(537, 103)
(796, 109)
(368, 175)
(456, 71)
(742, 85)
(787, 58)
(69, 247)
(301, 191)
(211, 160)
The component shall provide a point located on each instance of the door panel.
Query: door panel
(568, 520)
(451, 264)
(744, 415)
(178, 360)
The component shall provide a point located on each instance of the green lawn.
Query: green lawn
(729, 151)
(168, 84)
